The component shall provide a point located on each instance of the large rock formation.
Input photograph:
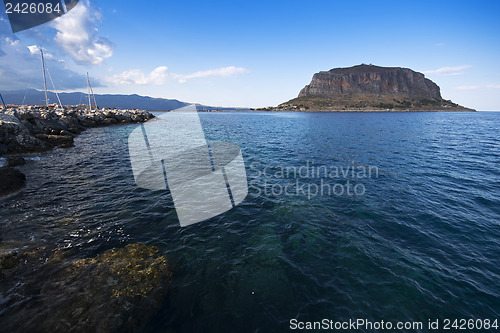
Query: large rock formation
(373, 80)
(370, 88)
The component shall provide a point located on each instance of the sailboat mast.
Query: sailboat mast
(88, 91)
(4, 106)
(91, 90)
(44, 80)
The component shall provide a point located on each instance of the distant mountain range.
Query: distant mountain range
(32, 96)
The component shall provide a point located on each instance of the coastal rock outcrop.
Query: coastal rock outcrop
(15, 137)
(23, 131)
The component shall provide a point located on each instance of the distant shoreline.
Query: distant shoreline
(36, 130)
(337, 111)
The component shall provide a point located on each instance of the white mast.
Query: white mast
(88, 91)
(45, 83)
(91, 91)
(44, 80)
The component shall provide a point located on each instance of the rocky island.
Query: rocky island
(370, 88)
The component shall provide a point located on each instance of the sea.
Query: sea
(378, 219)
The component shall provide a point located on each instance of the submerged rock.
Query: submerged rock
(118, 290)
(13, 161)
(8, 260)
(56, 140)
(11, 181)
(135, 269)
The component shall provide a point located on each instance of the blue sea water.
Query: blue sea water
(417, 237)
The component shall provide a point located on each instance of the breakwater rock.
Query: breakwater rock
(11, 181)
(26, 131)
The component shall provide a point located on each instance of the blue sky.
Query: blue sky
(256, 53)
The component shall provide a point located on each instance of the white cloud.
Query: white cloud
(35, 50)
(218, 72)
(478, 87)
(13, 42)
(21, 68)
(457, 70)
(440, 44)
(160, 74)
(136, 76)
(78, 36)
(467, 87)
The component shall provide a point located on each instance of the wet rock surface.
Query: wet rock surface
(118, 290)
(11, 181)
(13, 161)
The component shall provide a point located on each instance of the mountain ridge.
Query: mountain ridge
(120, 101)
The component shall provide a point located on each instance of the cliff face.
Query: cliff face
(369, 79)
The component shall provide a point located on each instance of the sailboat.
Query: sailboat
(45, 69)
(90, 91)
(60, 107)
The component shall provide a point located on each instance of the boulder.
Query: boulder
(13, 161)
(57, 140)
(109, 121)
(16, 136)
(11, 181)
(3, 149)
(67, 133)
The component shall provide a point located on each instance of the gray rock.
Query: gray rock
(3, 149)
(110, 121)
(67, 133)
(56, 140)
(13, 161)
(11, 181)
(16, 136)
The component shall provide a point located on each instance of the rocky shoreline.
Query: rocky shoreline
(30, 131)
